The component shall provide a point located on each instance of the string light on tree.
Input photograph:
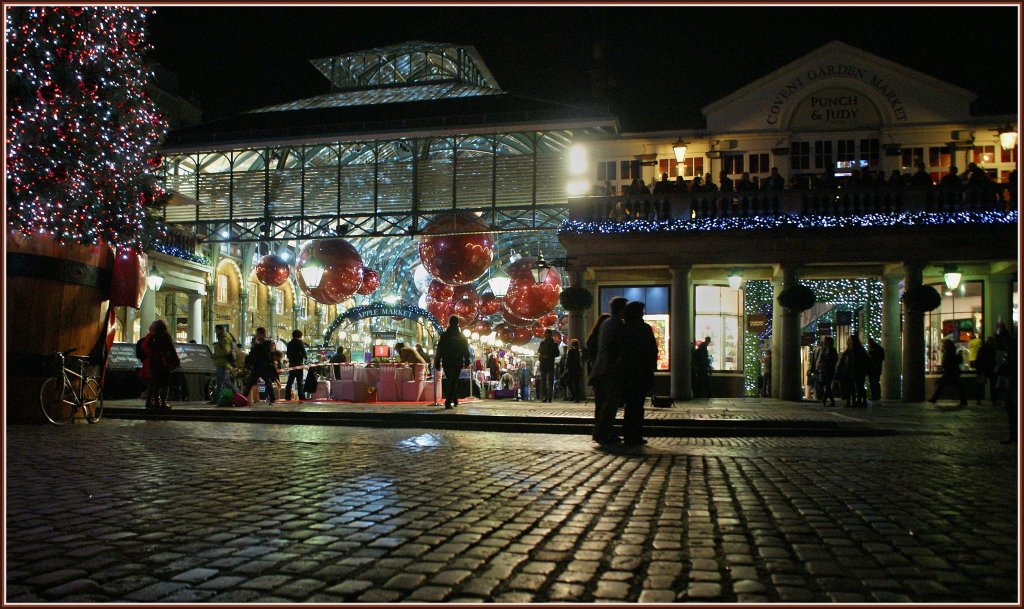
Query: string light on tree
(82, 133)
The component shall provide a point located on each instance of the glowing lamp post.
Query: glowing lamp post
(155, 279)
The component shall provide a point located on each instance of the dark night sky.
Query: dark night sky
(667, 61)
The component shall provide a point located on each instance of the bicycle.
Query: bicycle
(61, 397)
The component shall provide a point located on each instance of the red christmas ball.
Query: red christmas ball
(466, 311)
(489, 304)
(59, 175)
(133, 39)
(514, 320)
(439, 290)
(483, 327)
(538, 330)
(371, 281)
(527, 297)
(272, 270)
(456, 259)
(521, 336)
(548, 320)
(440, 309)
(505, 334)
(155, 161)
(88, 88)
(48, 93)
(339, 283)
(343, 270)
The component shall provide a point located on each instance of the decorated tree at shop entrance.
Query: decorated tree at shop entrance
(81, 131)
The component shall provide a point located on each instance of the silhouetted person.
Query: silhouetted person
(639, 362)
(452, 356)
(606, 375)
(546, 354)
(876, 354)
(826, 363)
(951, 361)
(296, 357)
(920, 177)
(951, 180)
(262, 365)
(159, 359)
(774, 181)
(701, 364)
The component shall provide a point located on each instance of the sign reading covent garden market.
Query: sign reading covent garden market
(838, 106)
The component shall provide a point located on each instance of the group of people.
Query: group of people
(831, 372)
(624, 356)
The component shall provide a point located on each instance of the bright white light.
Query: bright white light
(952, 278)
(1008, 140)
(577, 159)
(735, 280)
(421, 278)
(224, 233)
(342, 335)
(578, 188)
(422, 302)
(466, 332)
(475, 336)
(392, 298)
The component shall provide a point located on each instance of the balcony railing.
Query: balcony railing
(792, 203)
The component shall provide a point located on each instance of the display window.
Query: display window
(656, 312)
(959, 317)
(717, 313)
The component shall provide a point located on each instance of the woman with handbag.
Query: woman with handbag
(159, 359)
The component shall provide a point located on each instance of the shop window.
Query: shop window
(938, 156)
(911, 157)
(222, 288)
(629, 170)
(656, 312)
(759, 162)
(800, 155)
(869, 151)
(668, 166)
(1008, 156)
(959, 315)
(822, 154)
(845, 151)
(278, 302)
(732, 163)
(254, 296)
(717, 313)
(984, 154)
(693, 167)
(606, 171)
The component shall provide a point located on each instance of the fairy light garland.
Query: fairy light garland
(82, 133)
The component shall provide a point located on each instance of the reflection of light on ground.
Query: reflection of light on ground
(427, 440)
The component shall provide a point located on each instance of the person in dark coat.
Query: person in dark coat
(573, 370)
(296, 357)
(951, 361)
(857, 367)
(639, 362)
(877, 355)
(262, 366)
(606, 375)
(452, 356)
(985, 366)
(546, 354)
(159, 359)
(1006, 374)
(826, 363)
(701, 364)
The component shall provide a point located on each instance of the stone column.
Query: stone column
(243, 316)
(681, 333)
(195, 317)
(892, 343)
(147, 312)
(998, 303)
(129, 325)
(271, 303)
(576, 317)
(785, 339)
(913, 340)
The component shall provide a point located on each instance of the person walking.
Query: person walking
(827, 361)
(639, 362)
(261, 363)
(159, 359)
(985, 367)
(877, 355)
(701, 369)
(223, 358)
(573, 371)
(951, 361)
(546, 354)
(452, 356)
(857, 367)
(606, 375)
(1006, 373)
(296, 350)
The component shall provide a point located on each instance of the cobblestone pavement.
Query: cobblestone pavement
(136, 511)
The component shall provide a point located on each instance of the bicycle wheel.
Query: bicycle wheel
(55, 408)
(92, 401)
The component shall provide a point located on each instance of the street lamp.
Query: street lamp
(951, 275)
(735, 280)
(499, 281)
(540, 269)
(1008, 138)
(312, 273)
(155, 279)
(680, 149)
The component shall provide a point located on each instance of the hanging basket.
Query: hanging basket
(797, 298)
(576, 299)
(921, 299)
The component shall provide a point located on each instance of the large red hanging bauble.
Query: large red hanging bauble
(456, 259)
(548, 320)
(439, 290)
(505, 333)
(483, 327)
(272, 270)
(371, 281)
(521, 336)
(526, 297)
(514, 320)
(48, 93)
(465, 310)
(343, 270)
(441, 309)
(489, 304)
(538, 330)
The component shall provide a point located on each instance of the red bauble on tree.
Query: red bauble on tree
(527, 297)
(439, 290)
(489, 304)
(456, 259)
(371, 281)
(128, 278)
(465, 310)
(272, 270)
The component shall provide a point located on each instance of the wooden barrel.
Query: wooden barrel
(57, 299)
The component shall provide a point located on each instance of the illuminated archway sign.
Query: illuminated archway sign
(380, 309)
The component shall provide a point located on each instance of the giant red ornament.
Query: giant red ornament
(489, 304)
(483, 327)
(465, 310)
(514, 320)
(526, 297)
(343, 270)
(548, 320)
(456, 259)
(439, 290)
(48, 93)
(538, 330)
(521, 336)
(128, 278)
(371, 281)
(505, 334)
(441, 309)
(272, 270)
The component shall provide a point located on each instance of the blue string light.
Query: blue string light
(177, 252)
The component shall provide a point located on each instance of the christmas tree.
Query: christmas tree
(82, 133)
